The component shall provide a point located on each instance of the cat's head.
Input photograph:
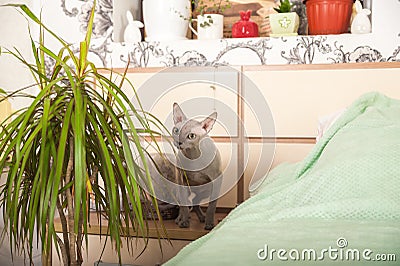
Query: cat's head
(187, 133)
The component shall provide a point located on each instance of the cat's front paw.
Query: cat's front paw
(178, 219)
(202, 218)
(209, 226)
(184, 224)
(181, 222)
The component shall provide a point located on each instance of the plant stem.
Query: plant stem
(80, 239)
(70, 206)
(46, 256)
(63, 250)
(63, 246)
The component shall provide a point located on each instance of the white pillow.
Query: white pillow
(325, 122)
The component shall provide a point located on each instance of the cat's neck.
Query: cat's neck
(192, 153)
(207, 146)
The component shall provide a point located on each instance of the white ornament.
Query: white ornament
(361, 23)
(132, 32)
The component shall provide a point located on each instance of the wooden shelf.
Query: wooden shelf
(196, 229)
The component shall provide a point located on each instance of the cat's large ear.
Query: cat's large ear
(209, 122)
(179, 116)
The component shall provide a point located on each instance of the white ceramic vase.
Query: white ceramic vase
(166, 20)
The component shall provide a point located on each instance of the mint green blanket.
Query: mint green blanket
(340, 205)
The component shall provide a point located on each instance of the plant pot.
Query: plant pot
(166, 20)
(328, 16)
(284, 24)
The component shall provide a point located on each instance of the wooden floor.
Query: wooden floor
(173, 231)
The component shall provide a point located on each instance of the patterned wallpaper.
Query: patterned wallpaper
(343, 48)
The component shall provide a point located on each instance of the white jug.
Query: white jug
(209, 26)
(166, 20)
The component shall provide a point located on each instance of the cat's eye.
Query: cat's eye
(175, 131)
(191, 136)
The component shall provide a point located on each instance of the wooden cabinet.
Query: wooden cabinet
(258, 137)
(266, 114)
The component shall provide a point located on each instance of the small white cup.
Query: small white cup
(209, 26)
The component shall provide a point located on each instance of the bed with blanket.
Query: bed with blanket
(340, 205)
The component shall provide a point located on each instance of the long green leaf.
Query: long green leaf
(59, 169)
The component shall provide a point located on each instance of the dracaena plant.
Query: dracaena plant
(71, 147)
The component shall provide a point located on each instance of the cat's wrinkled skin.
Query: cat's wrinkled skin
(198, 162)
(202, 163)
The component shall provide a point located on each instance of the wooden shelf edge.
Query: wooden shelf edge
(173, 232)
(334, 66)
(280, 67)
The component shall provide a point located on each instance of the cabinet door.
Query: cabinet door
(230, 178)
(199, 92)
(261, 163)
(298, 97)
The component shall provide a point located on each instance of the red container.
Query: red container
(245, 27)
(328, 16)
